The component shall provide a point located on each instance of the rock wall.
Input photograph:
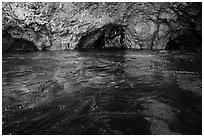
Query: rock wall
(60, 26)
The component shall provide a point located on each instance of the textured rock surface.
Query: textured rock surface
(109, 36)
(60, 26)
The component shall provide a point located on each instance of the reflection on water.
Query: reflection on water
(102, 92)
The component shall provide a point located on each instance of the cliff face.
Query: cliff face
(62, 26)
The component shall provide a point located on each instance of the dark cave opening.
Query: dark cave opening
(108, 37)
(190, 41)
(22, 45)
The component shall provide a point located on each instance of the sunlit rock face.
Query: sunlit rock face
(62, 26)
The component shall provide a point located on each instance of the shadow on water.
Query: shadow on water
(100, 92)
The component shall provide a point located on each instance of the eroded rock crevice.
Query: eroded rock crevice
(109, 36)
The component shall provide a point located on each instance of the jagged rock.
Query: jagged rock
(162, 37)
(174, 25)
(161, 43)
(109, 36)
(168, 15)
(146, 44)
(92, 40)
(62, 26)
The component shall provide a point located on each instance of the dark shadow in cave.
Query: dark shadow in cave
(110, 36)
(191, 40)
(22, 45)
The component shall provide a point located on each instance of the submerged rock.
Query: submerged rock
(69, 25)
(46, 92)
(160, 116)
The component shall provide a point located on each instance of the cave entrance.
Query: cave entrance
(23, 45)
(110, 36)
(191, 42)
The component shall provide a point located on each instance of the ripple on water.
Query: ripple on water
(126, 92)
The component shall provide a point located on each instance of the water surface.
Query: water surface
(102, 92)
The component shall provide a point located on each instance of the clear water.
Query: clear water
(102, 92)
